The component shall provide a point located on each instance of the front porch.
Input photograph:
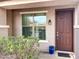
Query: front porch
(11, 22)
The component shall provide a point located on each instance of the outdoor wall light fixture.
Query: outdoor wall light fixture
(49, 22)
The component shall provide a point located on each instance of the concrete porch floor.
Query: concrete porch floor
(55, 56)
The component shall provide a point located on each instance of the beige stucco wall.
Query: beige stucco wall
(50, 29)
(76, 32)
(10, 22)
(76, 43)
(17, 27)
(3, 23)
(2, 16)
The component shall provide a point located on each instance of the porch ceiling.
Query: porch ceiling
(35, 3)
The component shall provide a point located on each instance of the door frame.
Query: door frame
(70, 9)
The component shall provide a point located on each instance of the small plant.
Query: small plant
(56, 48)
(23, 48)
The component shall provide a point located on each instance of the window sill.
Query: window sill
(43, 41)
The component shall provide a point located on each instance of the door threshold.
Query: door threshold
(64, 51)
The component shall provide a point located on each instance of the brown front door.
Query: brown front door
(64, 30)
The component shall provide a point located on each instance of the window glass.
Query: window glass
(40, 20)
(27, 31)
(27, 20)
(40, 32)
(34, 25)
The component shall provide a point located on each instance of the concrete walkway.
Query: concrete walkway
(55, 56)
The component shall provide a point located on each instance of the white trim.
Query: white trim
(76, 16)
(40, 41)
(4, 26)
(76, 26)
(33, 12)
(64, 52)
(11, 3)
(65, 6)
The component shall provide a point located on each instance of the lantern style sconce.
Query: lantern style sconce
(49, 22)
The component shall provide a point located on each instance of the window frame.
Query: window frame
(33, 26)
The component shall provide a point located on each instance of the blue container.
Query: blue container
(51, 49)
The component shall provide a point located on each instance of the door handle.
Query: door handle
(57, 34)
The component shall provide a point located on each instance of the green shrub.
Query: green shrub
(23, 48)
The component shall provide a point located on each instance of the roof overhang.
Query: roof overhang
(35, 3)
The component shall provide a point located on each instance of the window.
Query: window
(34, 25)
